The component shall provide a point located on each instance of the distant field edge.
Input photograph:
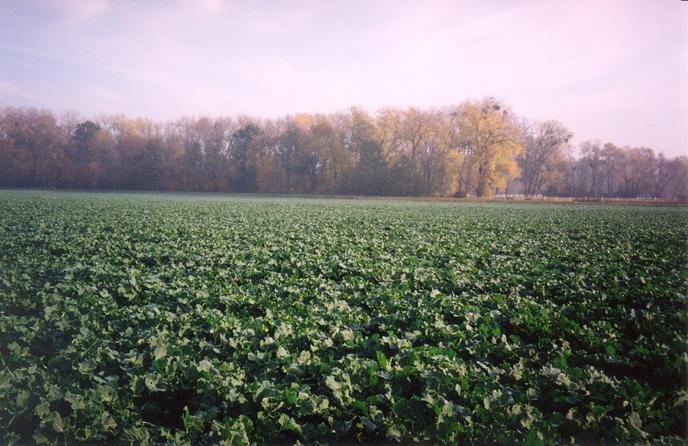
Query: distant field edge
(497, 199)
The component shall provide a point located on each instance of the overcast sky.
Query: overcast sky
(610, 70)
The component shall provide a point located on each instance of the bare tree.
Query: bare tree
(542, 154)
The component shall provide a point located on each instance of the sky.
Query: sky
(609, 70)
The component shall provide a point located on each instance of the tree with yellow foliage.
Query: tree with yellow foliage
(488, 141)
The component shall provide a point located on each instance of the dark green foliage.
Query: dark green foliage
(174, 319)
(83, 139)
(245, 141)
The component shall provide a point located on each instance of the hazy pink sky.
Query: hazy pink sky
(610, 70)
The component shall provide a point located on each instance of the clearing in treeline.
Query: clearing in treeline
(148, 318)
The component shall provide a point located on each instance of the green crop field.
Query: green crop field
(200, 319)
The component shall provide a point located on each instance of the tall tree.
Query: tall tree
(637, 172)
(488, 140)
(335, 164)
(371, 175)
(33, 148)
(244, 153)
(542, 155)
(611, 156)
(592, 164)
(677, 178)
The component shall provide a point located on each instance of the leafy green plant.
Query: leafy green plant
(235, 320)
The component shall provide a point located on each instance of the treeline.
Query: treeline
(478, 148)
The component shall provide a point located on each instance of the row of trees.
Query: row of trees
(478, 148)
